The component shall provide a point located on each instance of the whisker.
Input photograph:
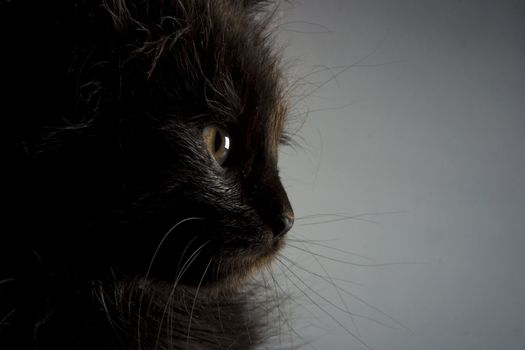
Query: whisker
(364, 302)
(164, 239)
(186, 265)
(292, 329)
(343, 217)
(184, 251)
(149, 270)
(102, 300)
(310, 242)
(7, 280)
(323, 215)
(4, 319)
(193, 305)
(313, 273)
(188, 262)
(352, 334)
(339, 290)
(352, 263)
(346, 310)
(396, 321)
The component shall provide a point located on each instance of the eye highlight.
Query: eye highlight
(218, 141)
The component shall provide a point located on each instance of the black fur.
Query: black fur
(119, 230)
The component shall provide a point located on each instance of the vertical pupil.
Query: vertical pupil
(217, 143)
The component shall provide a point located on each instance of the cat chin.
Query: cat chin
(233, 268)
(234, 271)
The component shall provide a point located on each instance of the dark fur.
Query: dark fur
(103, 105)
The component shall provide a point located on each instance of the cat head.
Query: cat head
(153, 151)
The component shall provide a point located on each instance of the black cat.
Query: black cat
(139, 180)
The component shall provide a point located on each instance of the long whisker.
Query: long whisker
(346, 311)
(350, 313)
(281, 315)
(352, 263)
(326, 278)
(4, 319)
(184, 251)
(190, 261)
(315, 273)
(149, 270)
(164, 239)
(343, 217)
(181, 272)
(352, 334)
(194, 302)
(7, 280)
(309, 242)
(113, 325)
(362, 301)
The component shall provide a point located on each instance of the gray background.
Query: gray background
(414, 130)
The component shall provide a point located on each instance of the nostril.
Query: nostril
(284, 225)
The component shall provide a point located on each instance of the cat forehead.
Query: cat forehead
(247, 78)
(206, 58)
(226, 53)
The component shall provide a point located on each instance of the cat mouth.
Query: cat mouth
(233, 270)
(220, 263)
(234, 265)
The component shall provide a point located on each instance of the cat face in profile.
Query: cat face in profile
(148, 149)
(168, 119)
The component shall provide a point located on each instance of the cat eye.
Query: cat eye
(218, 141)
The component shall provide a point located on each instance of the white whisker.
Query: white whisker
(139, 317)
(194, 302)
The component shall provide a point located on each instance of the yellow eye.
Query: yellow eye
(218, 141)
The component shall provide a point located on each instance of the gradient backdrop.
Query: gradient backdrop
(413, 148)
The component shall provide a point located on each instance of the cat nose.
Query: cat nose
(282, 226)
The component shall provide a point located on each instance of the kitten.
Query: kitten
(139, 186)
